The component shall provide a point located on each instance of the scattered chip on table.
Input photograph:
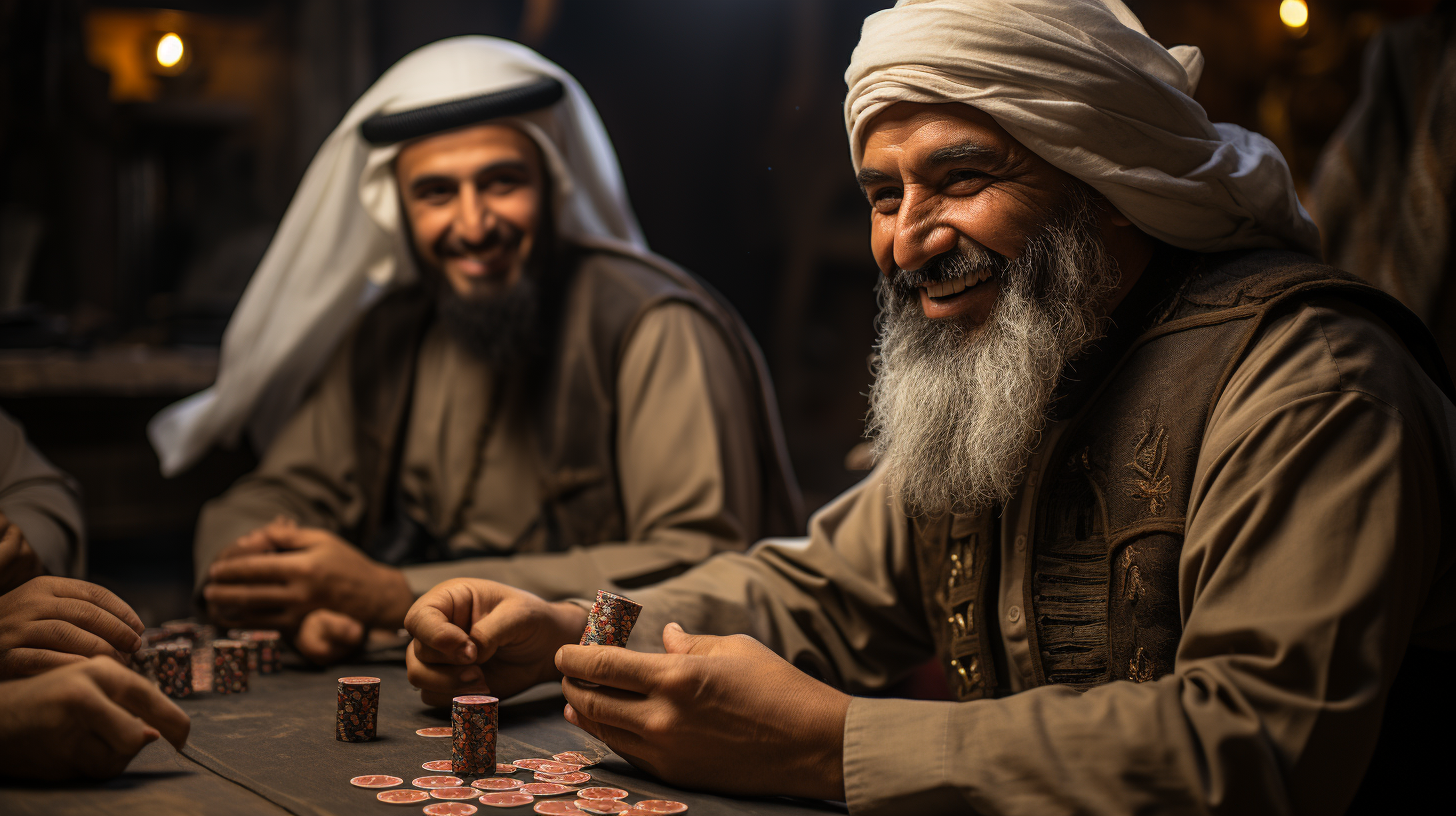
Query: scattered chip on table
(437, 731)
(438, 765)
(661, 806)
(547, 789)
(557, 807)
(450, 809)
(534, 763)
(603, 806)
(376, 781)
(402, 797)
(496, 783)
(575, 758)
(506, 799)
(505, 768)
(454, 793)
(601, 793)
(573, 778)
(438, 782)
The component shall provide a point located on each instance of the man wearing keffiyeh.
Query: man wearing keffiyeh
(1167, 499)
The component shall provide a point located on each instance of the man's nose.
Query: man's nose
(473, 216)
(921, 233)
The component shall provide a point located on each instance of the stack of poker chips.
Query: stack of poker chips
(358, 709)
(145, 662)
(174, 669)
(182, 629)
(611, 620)
(475, 720)
(265, 649)
(229, 666)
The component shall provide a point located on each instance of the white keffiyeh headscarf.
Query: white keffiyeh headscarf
(1080, 83)
(341, 246)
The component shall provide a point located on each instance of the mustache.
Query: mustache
(504, 233)
(949, 266)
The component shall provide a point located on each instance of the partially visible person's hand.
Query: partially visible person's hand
(49, 622)
(276, 578)
(327, 637)
(18, 562)
(724, 714)
(86, 720)
(473, 636)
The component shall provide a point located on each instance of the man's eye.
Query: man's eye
(503, 184)
(885, 199)
(959, 176)
(434, 193)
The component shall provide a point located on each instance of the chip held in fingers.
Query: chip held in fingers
(611, 620)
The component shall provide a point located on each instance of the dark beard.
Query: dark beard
(504, 330)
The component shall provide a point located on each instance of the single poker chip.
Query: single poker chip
(375, 781)
(439, 765)
(450, 809)
(557, 807)
(505, 768)
(534, 764)
(492, 783)
(575, 758)
(601, 793)
(557, 768)
(573, 778)
(454, 793)
(603, 806)
(506, 799)
(402, 797)
(660, 806)
(437, 731)
(549, 789)
(438, 782)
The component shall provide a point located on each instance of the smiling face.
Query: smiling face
(473, 199)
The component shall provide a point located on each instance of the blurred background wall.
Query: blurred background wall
(140, 183)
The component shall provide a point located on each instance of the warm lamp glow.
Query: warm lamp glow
(1294, 13)
(169, 49)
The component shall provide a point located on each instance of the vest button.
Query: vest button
(1021, 543)
(1013, 614)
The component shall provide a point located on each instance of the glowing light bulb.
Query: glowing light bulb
(169, 50)
(1294, 13)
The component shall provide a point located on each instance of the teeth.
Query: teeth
(952, 287)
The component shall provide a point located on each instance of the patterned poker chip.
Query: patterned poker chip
(375, 781)
(476, 719)
(496, 784)
(557, 807)
(506, 799)
(548, 789)
(660, 806)
(574, 778)
(436, 731)
(402, 797)
(603, 806)
(556, 768)
(450, 809)
(438, 782)
(575, 758)
(358, 711)
(533, 764)
(505, 768)
(454, 793)
(438, 765)
(601, 793)
(610, 621)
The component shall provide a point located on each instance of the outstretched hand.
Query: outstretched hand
(723, 714)
(473, 636)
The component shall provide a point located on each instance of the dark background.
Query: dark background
(135, 201)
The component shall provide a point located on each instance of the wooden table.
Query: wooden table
(272, 751)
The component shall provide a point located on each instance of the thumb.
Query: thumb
(677, 641)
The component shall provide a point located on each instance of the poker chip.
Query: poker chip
(450, 809)
(610, 621)
(533, 764)
(438, 765)
(358, 711)
(436, 731)
(556, 768)
(601, 793)
(476, 720)
(506, 799)
(548, 789)
(454, 793)
(230, 668)
(402, 797)
(660, 806)
(438, 782)
(375, 781)
(505, 768)
(574, 778)
(496, 784)
(603, 806)
(557, 807)
(575, 758)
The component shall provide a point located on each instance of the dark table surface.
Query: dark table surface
(272, 751)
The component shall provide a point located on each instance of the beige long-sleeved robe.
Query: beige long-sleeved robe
(1319, 545)
(685, 455)
(42, 501)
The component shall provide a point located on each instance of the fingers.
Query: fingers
(270, 568)
(437, 639)
(612, 666)
(67, 638)
(24, 661)
(624, 741)
(142, 699)
(97, 623)
(626, 710)
(441, 678)
(326, 636)
(98, 596)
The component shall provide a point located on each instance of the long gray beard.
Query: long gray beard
(955, 411)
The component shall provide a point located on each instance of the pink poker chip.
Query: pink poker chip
(603, 806)
(375, 781)
(505, 768)
(601, 793)
(533, 764)
(575, 758)
(573, 778)
(455, 793)
(556, 768)
(660, 806)
(450, 809)
(438, 782)
(439, 765)
(493, 783)
(557, 807)
(506, 799)
(437, 731)
(402, 797)
(548, 789)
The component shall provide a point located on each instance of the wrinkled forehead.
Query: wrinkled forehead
(483, 143)
(908, 129)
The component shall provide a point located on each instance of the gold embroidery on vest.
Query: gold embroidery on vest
(1149, 454)
(967, 675)
(1140, 669)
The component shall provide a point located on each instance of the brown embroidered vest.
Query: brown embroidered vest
(608, 293)
(1101, 594)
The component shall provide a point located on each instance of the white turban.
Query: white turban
(340, 245)
(1080, 83)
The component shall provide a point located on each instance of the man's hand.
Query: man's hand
(18, 562)
(274, 577)
(327, 637)
(714, 713)
(473, 636)
(86, 720)
(49, 622)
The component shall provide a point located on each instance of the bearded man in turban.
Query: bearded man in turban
(1168, 499)
(460, 359)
